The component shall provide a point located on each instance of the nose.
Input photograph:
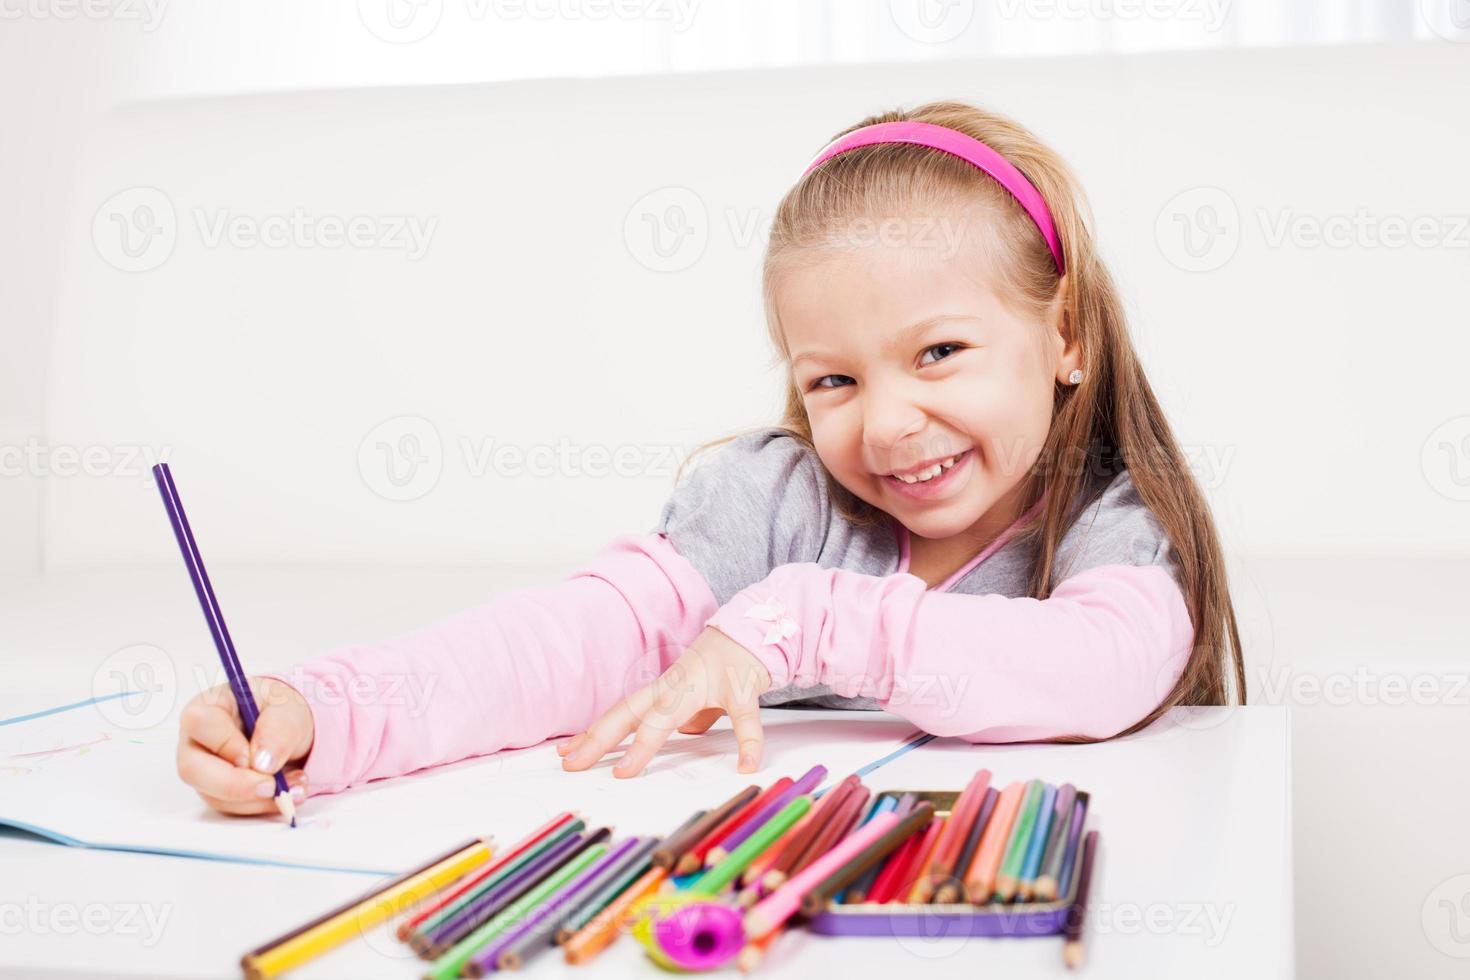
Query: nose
(892, 422)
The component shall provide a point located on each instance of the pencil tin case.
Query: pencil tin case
(938, 921)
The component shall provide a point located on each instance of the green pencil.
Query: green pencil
(449, 964)
(1010, 866)
(713, 881)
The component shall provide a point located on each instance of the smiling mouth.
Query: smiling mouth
(932, 474)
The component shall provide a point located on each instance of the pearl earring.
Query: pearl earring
(1076, 376)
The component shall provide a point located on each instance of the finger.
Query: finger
(216, 730)
(212, 776)
(607, 732)
(280, 732)
(746, 719)
(250, 808)
(570, 745)
(701, 721)
(650, 737)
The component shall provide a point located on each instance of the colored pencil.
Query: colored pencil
(1074, 838)
(858, 891)
(534, 933)
(956, 829)
(1056, 844)
(808, 781)
(604, 927)
(713, 881)
(781, 904)
(459, 957)
(676, 845)
(421, 938)
(805, 832)
(886, 882)
(903, 883)
(379, 908)
(366, 896)
(907, 827)
(1010, 865)
(980, 878)
(953, 887)
(679, 835)
(603, 894)
(696, 857)
(215, 620)
(835, 830)
(493, 902)
(469, 881)
(1031, 862)
(1077, 914)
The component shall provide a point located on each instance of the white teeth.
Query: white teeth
(924, 476)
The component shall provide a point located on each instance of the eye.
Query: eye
(939, 347)
(818, 382)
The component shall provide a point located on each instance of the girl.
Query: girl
(972, 514)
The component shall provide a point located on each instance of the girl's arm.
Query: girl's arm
(528, 665)
(1092, 659)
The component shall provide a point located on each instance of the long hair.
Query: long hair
(1110, 421)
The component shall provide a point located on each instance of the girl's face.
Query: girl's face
(906, 356)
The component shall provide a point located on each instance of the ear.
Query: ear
(1063, 348)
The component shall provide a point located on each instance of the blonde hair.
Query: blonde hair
(1111, 420)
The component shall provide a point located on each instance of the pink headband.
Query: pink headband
(965, 147)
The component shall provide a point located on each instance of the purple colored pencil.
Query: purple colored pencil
(215, 620)
(541, 924)
(805, 784)
(473, 915)
(1074, 835)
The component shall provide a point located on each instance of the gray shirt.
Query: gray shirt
(762, 500)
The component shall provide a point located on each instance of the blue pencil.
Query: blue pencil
(244, 700)
(1036, 846)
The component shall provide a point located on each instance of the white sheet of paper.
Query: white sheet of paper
(79, 775)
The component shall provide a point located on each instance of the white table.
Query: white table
(1194, 877)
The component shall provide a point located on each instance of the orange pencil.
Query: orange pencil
(693, 859)
(961, 816)
(980, 876)
(597, 934)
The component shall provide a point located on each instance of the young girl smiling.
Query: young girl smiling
(972, 513)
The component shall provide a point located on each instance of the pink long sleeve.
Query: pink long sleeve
(528, 665)
(1092, 659)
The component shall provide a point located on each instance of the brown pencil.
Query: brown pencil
(694, 859)
(814, 901)
(778, 872)
(682, 841)
(1077, 914)
(833, 831)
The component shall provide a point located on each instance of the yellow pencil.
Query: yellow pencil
(363, 916)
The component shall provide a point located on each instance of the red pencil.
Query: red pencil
(887, 884)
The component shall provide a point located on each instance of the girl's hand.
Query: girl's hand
(231, 774)
(714, 676)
